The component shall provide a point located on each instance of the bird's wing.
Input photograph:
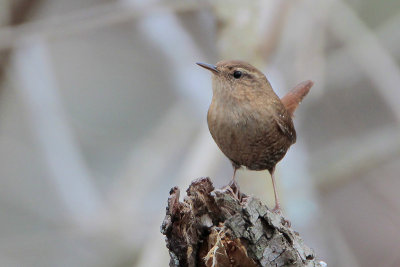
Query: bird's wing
(292, 99)
(286, 126)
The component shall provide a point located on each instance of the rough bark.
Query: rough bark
(212, 227)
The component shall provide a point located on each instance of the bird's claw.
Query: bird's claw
(277, 210)
(234, 189)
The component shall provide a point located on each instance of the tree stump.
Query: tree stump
(212, 227)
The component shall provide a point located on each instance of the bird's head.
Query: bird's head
(232, 75)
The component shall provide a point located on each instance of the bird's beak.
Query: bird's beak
(213, 68)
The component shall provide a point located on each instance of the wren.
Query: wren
(251, 125)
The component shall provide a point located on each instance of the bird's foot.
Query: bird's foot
(234, 189)
(277, 210)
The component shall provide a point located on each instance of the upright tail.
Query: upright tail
(292, 99)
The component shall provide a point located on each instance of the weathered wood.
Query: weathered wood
(212, 227)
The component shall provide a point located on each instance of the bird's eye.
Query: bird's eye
(237, 74)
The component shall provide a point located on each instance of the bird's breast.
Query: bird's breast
(246, 135)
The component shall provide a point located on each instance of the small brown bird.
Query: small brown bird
(248, 121)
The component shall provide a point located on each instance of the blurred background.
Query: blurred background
(102, 111)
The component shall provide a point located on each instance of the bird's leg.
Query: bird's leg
(277, 207)
(233, 184)
(233, 180)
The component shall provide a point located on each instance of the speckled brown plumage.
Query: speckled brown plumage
(247, 120)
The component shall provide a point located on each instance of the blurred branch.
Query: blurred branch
(389, 35)
(89, 19)
(372, 57)
(67, 170)
(21, 9)
(307, 36)
(273, 18)
(341, 164)
(335, 241)
(338, 61)
(13, 13)
(159, 30)
(163, 146)
(253, 22)
(381, 68)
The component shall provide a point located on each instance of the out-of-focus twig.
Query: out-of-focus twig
(349, 74)
(161, 147)
(89, 19)
(366, 49)
(340, 164)
(68, 172)
(371, 55)
(273, 18)
(13, 13)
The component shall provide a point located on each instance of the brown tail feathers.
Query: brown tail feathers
(292, 99)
